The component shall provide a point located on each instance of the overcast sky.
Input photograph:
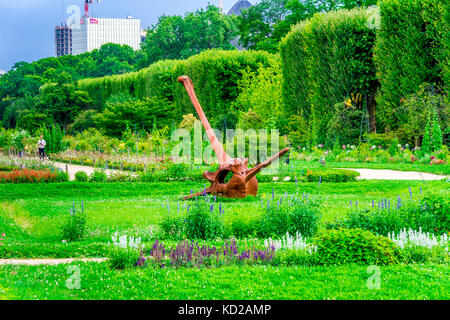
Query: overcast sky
(26, 29)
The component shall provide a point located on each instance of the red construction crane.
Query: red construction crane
(86, 7)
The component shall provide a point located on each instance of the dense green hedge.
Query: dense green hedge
(412, 48)
(325, 60)
(215, 74)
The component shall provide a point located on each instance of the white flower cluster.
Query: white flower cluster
(125, 242)
(290, 243)
(419, 238)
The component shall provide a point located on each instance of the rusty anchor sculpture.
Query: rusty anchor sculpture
(243, 183)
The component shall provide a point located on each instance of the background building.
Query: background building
(239, 7)
(95, 32)
(236, 10)
(63, 40)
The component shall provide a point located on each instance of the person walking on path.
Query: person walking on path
(41, 147)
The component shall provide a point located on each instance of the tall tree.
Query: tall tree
(176, 37)
(262, 26)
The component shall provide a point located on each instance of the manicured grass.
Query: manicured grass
(36, 212)
(344, 282)
(32, 215)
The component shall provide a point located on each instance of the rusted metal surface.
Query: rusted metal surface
(243, 180)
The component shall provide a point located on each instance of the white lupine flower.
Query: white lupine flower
(124, 242)
(292, 243)
(419, 238)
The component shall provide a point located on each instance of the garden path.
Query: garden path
(49, 262)
(374, 174)
(366, 174)
(73, 169)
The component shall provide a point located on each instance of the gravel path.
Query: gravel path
(73, 169)
(371, 174)
(48, 262)
(366, 174)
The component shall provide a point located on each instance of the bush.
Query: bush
(120, 258)
(332, 176)
(81, 176)
(422, 255)
(8, 168)
(98, 176)
(203, 223)
(74, 227)
(297, 216)
(439, 206)
(292, 258)
(244, 227)
(325, 60)
(387, 219)
(338, 247)
(62, 176)
(416, 31)
(174, 227)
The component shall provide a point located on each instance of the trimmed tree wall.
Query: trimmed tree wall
(215, 74)
(325, 60)
(412, 48)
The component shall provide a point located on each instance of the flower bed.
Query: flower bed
(31, 176)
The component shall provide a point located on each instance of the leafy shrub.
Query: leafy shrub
(420, 254)
(293, 258)
(62, 176)
(98, 176)
(121, 258)
(244, 227)
(177, 171)
(74, 227)
(202, 222)
(439, 206)
(297, 216)
(332, 176)
(81, 176)
(409, 215)
(8, 168)
(338, 247)
(174, 227)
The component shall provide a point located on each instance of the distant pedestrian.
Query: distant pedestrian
(41, 147)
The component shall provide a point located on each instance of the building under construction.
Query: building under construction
(63, 40)
(91, 33)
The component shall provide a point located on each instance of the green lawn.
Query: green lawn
(318, 283)
(36, 212)
(32, 215)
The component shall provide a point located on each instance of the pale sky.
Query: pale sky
(26, 29)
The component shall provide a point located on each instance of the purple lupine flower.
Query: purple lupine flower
(320, 180)
(273, 193)
(410, 193)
